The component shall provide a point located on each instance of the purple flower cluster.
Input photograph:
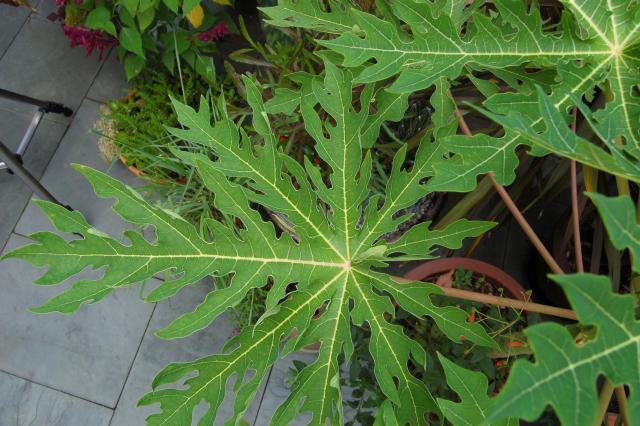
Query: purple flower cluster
(218, 31)
(90, 39)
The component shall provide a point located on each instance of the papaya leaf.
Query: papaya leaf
(311, 14)
(594, 46)
(619, 217)
(319, 283)
(558, 138)
(565, 373)
(472, 388)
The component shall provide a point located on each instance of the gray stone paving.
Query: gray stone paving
(89, 368)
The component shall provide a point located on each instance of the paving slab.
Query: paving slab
(27, 403)
(44, 8)
(40, 64)
(11, 20)
(156, 353)
(79, 145)
(110, 83)
(14, 194)
(87, 354)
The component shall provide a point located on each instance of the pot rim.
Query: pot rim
(494, 274)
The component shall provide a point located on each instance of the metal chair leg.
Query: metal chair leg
(46, 106)
(13, 161)
(15, 165)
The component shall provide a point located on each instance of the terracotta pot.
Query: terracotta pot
(133, 169)
(493, 274)
(431, 270)
(137, 172)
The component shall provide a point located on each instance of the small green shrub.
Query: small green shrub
(147, 31)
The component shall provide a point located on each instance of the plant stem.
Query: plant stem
(575, 210)
(528, 230)
(517, 214)
(605, 396)
(509, 303)
(501, 301)
(461, 121)
(621, 396)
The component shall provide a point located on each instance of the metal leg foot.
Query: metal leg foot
(13, 163)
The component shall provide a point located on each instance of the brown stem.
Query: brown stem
(575, 215)
(605, 396)
(502, 301)
(509, 303)
(462, 122)
(621, 396)
(528, 230)
(575, 209)
(517, 214)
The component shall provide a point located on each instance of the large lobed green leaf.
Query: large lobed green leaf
(475, 404)
(565, 374)
(557, 137)
(620, 218)
(595, 46)
(338, 239)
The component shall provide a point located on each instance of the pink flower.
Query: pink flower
(90, 39)
(218, 31)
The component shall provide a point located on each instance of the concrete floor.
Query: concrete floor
(89, 368)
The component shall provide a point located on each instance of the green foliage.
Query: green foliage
(338, 242)
(323, 278)
(565, 373)
(474, 403)
(152, 31)
(134, 129)
(504, 326)
(594, 46)
(138, 120)
(620, 219)
(584, 57)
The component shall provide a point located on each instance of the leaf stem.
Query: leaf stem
(517, 214)
(502, 301)
(509, 303)
(528, 230)
(621, 396)
(605, 396)
(575, 209)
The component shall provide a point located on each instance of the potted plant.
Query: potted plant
(336, 265)
(504, 324)
(157, 31)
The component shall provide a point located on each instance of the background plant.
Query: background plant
(132, 130)
(147, 30)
